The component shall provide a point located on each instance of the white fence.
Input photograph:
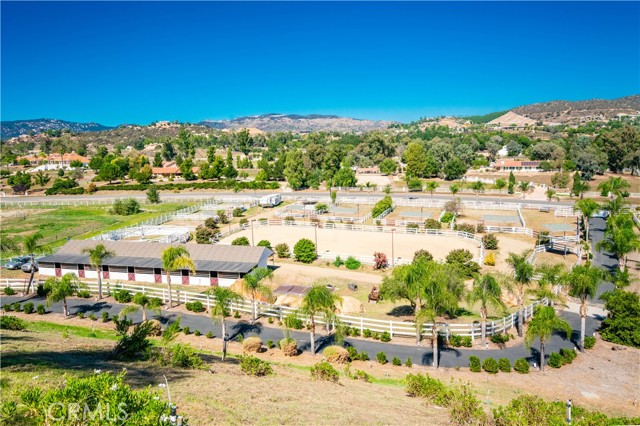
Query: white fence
(394, 328)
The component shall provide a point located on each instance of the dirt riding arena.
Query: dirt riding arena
(357, 242)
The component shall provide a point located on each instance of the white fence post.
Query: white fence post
(391, 328)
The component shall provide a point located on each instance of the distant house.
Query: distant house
(58, 160)
(368, 170)
(170, 169)
(508, 165)
(216, 265)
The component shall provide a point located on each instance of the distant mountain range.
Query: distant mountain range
(298, 123)
(573, 112)
(10, 129)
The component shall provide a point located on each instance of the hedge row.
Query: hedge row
(226, 184)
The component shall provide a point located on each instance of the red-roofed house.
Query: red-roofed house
(508, 165)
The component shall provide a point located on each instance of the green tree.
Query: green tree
(587, 208)
(244, 141)
(157, 160)
(345, 178)
(416, 159)
(305, 251)
(432, 185)
(620, 237)
(512, 183)
(186, 169)
(500, 185)
(174, 258)
(579, 186)
(97, 256)
(454, 189)
(622, 325)
(487, 291)
(153, 196)
(144, 303)
(614, 186)
(454, 169)
(252, 283)
(144, 175)
(583, 282)
(31, 244)
(388, 166)
(230, 172)
(551, 194)
(41, 178)
(319, 300)
(223, 298)
(477, 187)
(294, 170)
(544, 323)
(523, 275)
(524, 187)
(109, 172)
(60, 289)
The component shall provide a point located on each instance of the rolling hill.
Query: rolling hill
(10, 129)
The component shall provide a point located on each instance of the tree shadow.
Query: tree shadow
(401, 311)
(245, 328)
(93, 308)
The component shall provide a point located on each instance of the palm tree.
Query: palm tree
(97, 256)
(524, 186)
(620, 238)
(8, 244)
(145, 303)
(454, 190)
(550, 279)
(223, 297)
(252, 283)
(31, 244)
(551, 194)
(543, 324)
(523, 275)
(500, 185)
(487, 291)
(319, 300)
(41, 178)
(583, 282)
(587, 208)
(432, 185)
(614, 186)
(60, 289)
(174, 258)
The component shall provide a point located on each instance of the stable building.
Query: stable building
(216, 265)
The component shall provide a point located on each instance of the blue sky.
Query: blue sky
(118, 62)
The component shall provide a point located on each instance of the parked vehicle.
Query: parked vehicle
(17, 262)
(27, 266)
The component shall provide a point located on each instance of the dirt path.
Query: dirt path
(304, 274)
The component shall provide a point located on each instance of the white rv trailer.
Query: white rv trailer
(270, 200)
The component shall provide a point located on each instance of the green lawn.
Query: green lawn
(56, 224)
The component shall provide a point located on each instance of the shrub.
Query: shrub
(422, 253)
(209, 335)
(17, 307)
(568, 355)
(480, 228)
(41, 291)
(380, 261)
(363, 356)
(366, 332)
(85, 294)
(240, 241)
(490, 242)
(92, 317)
(589, 342)
(40, 309)
(338, 262)
(432, 224)
(197, 333)
(556, 360)
(236, 314)
(352, 263)
(474, 364)
(7, 322)
(622, 325)
(361, 375)
(8, 307)
(465, 227)
(105, 316)
(80, 315)
(237, 212)
(289, 346)
(122, 296)
(8, 291)
(125, 207)
(28, 308)
(264, 243)
(408, 363)
(490, 365)
(381, 206)
(304, 251)
(375, 335)
(499, 339)
(186, 330)
(336, 354)
(463, 259)
(195, 306)
(254, 366)
(467, 342)
(252, 344)
(270, 344)
(385, 336)
(324, 371)
(292, 321)
(490, 259)
(183, 356)
(396, 361)
(425, 386)
(465, 408)
(504, 365)
(282, 250)
(381, 357)
(521, 366)
(455, 340)
(447, 217)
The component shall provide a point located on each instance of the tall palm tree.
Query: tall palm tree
(583, 282)
(523, 275)
(97, 256)
(223, 297)
(620, 238)
(253, 284)
(432, 185)
(550, 279)
(615, 186)
(487, 291)
(319, 300)
(31, 244)
(543, 324)
(143, 303)
(524, 186)
(174, 258)
(60, 289)
(587, 208)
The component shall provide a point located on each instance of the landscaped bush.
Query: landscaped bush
(556, 360)
(270, 344)
(432, 224)
(264, 243)
(425, 386)
(499, 338)
(292, 321)
(241, 241)
(521, 366)
(182, 355)
(40, 309)
(408, 363)
(324, 371)
(352, 263)
(304, 251)
(236, 314)
(361, 375)
(465, 227)
(105, 316)
(504, 365)
(490, 242)
(197, 333)
(17, 307)
(125, 207)
(467, 342)
(289, 346)
(412, 226)
(195, 306)
(380, 261)
(589, 342)
(385, 336)
(474, 364)
(7, 322)
(209, 335)
(447, 217)
(41, 291)
(252, 344)
(336, 354)
(568, 355)
(92, 316)
(28, 308)
(80, 315)
(381, 357)
(366, 332)
(463, 260)
(85, 294)
(8, 291)
(381, 206)
(122, 296)
(338, 262)
(254, 366)
(7, 307)
(622, 325)
(186, 330)
(455, 340)
(490, 365)
(396, 361)
(222, 184)
(424, 254)
(490, 259)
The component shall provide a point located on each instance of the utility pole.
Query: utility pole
(393, 257)
(252, 240)
(315, 231)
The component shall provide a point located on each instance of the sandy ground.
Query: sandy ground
(508, 244)
(379, 180)
(358, 243)
(428, 213)
(552, 258)
(296, 273)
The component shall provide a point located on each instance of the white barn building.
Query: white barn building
(216, 265)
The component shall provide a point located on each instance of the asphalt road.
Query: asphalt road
(602, 259)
